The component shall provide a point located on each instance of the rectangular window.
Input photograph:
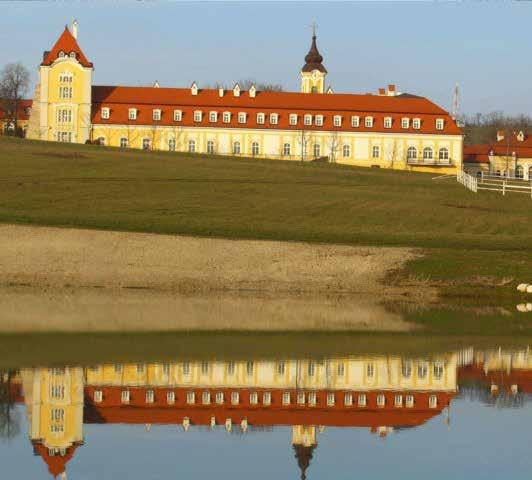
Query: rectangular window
(253, 398)
(219, 398)
(337, 121)
(312, 399)
(416, 123)
(105, 113)
(132, 114)
(206, 398)
(242, 117)
(178, 115)
(362, 401)
(186, 369)
(381, 400)
(318, 120)
(213, 117)
(292, 119)
(274, 118)
(118, 367)
(166, 369)
(140, 366)
(405, 123)
(281, 367)
(311, 369)
(387, 122)
(123, 142)
(369, 122)
(433, 401)
(375, 151)
(150, 396)
(341, 366)
(348, 399)
(170, 397)
(260, 118)
(57, 392)
(191, 398)
(65, 92)
(398, 401)
(146, 143)
(249, 368)
(439, 124)
(226, 118)
(156, 115)
(286, 398)
(307, 120)
(57, 414)
(204, 367)
(300, 398)
(235, 398)
(98, 396)
(231, 367)
(330, 399)
(197, 116)
(355, 121)
(124, 396)
(267, 398)
(409, 401)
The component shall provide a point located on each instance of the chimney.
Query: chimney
(381, 91)
(45, 54)
(500, 135)
(156, 84)
(391, 90)
(75, 29)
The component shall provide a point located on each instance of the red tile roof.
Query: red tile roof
(145, 99)
(56, 463)
(506, 146)
(67, 44)
(22, 106)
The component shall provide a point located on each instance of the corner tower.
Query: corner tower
(313, 72)
(62, 101)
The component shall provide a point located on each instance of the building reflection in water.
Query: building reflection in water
(380, 393)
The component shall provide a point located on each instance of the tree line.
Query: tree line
(14, 87)
(482, 128)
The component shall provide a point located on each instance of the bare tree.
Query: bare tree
(245, 84)
(333, 143)
(9, 418)
(14, 84)
(304, 140)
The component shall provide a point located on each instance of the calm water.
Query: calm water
(461, 413)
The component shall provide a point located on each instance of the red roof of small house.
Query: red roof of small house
(506, 146)
(56, 463)
(67, 44)
(145, 99)
(23, 112)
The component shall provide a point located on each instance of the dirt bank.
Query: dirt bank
(57, 257)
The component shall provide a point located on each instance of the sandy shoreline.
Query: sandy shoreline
(60, 257)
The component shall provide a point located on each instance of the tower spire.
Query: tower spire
(313, 72)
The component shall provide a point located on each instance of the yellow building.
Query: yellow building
(388, 129)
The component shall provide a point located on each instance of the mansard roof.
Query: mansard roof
(67, 44)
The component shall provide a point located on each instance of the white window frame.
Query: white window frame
(124, 144)
(132, 114)
(443, 157)
(191, 398)
(211, 147)
(253, 398)
(206, 398)
(348, 399)
(381, 400)
(267, 398)
(213, 117)
(150, 396)
(416, 123)
(219, 398)
(242, 117)
(235, 398)
(405, 122)
(178, 115)
(355, 121)
(346, 148)
(170, 397)
(287, 149)
(125, 396)
(398, 400)
(440, 123)
(292, 119)
(261, 117)
(409, 401)
(274, 118)
(226, 117)
(106, 113)
(433, 401)
(330, 399)
(337, 120)
(191, 149)
(255, 148)
(98, 396)
(388, 121)
(198, 116)
(156, 115)
(362, 400)
(312, 399)
(375, 151)
(318, 120)
(307, 120)
(300, 398)
(368, 122)
(286, 398)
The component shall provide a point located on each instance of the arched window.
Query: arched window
(316, 150)
(171, 144)
(255, 148)
(286, 149)
(422, 370)
(346, 151)
(427, 153)
(210, 146)
(438, 371)
(123, 143)
(443, 154)
(519, 172)
(411, 153)
(236, 148)
(406, 369)
(72, 54)
(192, 146)
(61, 54)
(146, 144)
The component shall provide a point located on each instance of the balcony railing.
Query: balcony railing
(432, 162)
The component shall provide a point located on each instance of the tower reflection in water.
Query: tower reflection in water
(380, 393)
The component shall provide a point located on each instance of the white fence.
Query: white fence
(467, 180)
(504, 185)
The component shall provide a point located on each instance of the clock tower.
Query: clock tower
(313, 72)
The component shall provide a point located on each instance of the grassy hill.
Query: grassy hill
(470, 239)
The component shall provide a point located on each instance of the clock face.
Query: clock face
(314, 74)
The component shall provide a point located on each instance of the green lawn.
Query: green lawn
(470, 239)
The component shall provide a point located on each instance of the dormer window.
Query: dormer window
(105, 113)
(197, 116)
(72, 54)
(156, 115)
(292, 119)
(337, 121)
(242, 117)
(61, 54)
(318, 120)
(194, 89)
(307, 120)
(213, 117)
(274, 118)
(226, 117)
(387, 122)
(236, 90)
(260, 118)
(405, 123)
(252, 91)
(178, 115)
(132, 114)
(416, 123)
(439, 124)
(355, 121)
(369, 122)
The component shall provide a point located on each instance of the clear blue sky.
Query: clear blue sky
(425, 48)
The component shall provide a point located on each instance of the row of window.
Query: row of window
(66, 77)
(62, 54)
(64, 115)
(65, 93)
(428, 153)
(273, 119)
(301, 398)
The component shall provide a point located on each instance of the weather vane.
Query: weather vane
(314, 27)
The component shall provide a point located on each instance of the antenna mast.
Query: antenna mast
(456, 102)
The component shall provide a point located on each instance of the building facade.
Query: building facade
(387, 129)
